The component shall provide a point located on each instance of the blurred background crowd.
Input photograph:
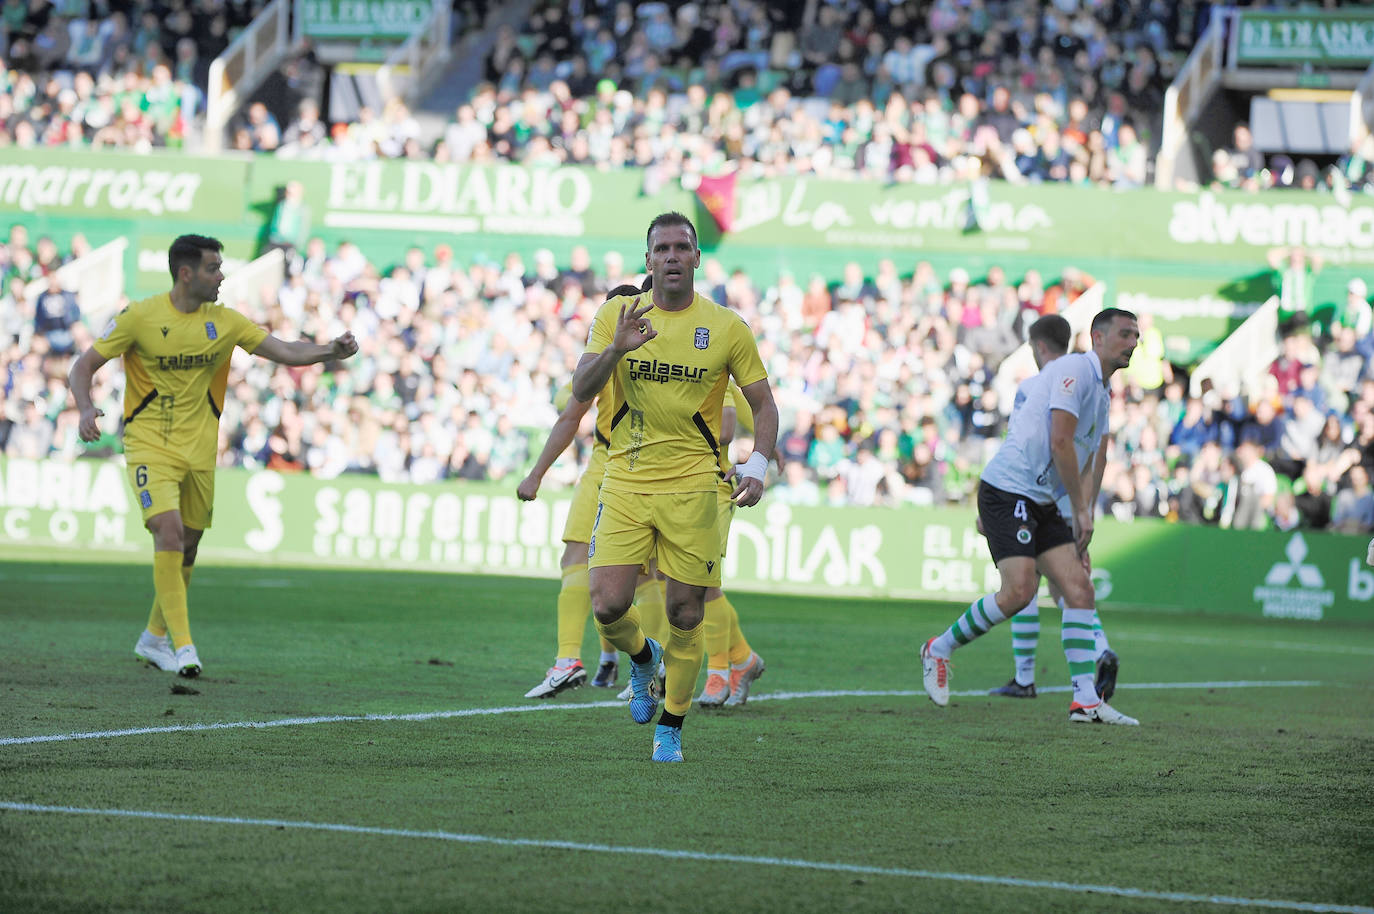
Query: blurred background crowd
(885, 379)
(884, 382)
(1020, 90)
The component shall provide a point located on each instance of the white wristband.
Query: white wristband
(753, 468)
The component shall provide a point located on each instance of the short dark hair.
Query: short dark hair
(1054, 331)
(187, 251)
(1104, 318)
(671, 218)
(622, 289)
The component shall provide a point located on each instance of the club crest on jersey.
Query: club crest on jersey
(703, 338)
(210, 332)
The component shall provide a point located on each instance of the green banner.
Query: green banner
(359, 20)
(1335, 38)
(89, 184)
(1197, 259)
(271, 518)
(901, 220)
(1194, 310)
(425, 202)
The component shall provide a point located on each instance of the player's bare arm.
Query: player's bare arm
(302, 352)
(1099, 466)
(1063, 425)
(560, 436)
(1092, 488)
(750, 473)
(632, 330)
(79, 379)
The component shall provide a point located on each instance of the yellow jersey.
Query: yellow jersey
(666, 396)
(176, 368)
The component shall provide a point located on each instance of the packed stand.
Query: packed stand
(134, 73)
(109, 73)
(885, 383)
(1021, 91)
(1018, 90)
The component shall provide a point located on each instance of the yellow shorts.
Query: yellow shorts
(582, 511)
(725, 512)
(683, 527)
(159, 488)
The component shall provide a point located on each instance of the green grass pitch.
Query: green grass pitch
(1240, 795)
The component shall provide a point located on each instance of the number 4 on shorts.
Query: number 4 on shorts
(1020, 512)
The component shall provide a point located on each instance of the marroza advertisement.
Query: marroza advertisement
(930, 553)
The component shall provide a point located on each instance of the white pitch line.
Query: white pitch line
(670, 854)
(551, 706)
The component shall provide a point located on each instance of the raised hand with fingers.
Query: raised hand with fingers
(632, 328)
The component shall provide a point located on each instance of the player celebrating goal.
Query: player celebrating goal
(1052, 437)
(176, 349)
(574, 598)
(670, 360)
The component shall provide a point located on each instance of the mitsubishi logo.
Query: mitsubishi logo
(1283, 572)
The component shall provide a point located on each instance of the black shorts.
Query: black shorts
(1015, 525)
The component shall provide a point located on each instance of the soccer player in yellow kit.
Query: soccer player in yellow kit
(731, 665)
(669, 361)
(574, 597)
(176, 348)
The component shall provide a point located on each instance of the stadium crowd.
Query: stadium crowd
(885, 383)
(1012, 89)
(109, 73)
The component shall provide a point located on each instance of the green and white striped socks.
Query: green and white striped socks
(976, 621)
(1077, 635)
(1025, 633)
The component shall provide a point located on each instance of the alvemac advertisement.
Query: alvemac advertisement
(270, 518)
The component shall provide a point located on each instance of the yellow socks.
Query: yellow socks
(170, 585)
(649, 600)
(739, 648)
(725, 642)
(574, 605)
(157, 626)
(682, 655)
(624, 634)
(719, 617)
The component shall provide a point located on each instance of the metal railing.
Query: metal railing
(408, 68)
(1189, 91)
(1362, 108)
(235, 73)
